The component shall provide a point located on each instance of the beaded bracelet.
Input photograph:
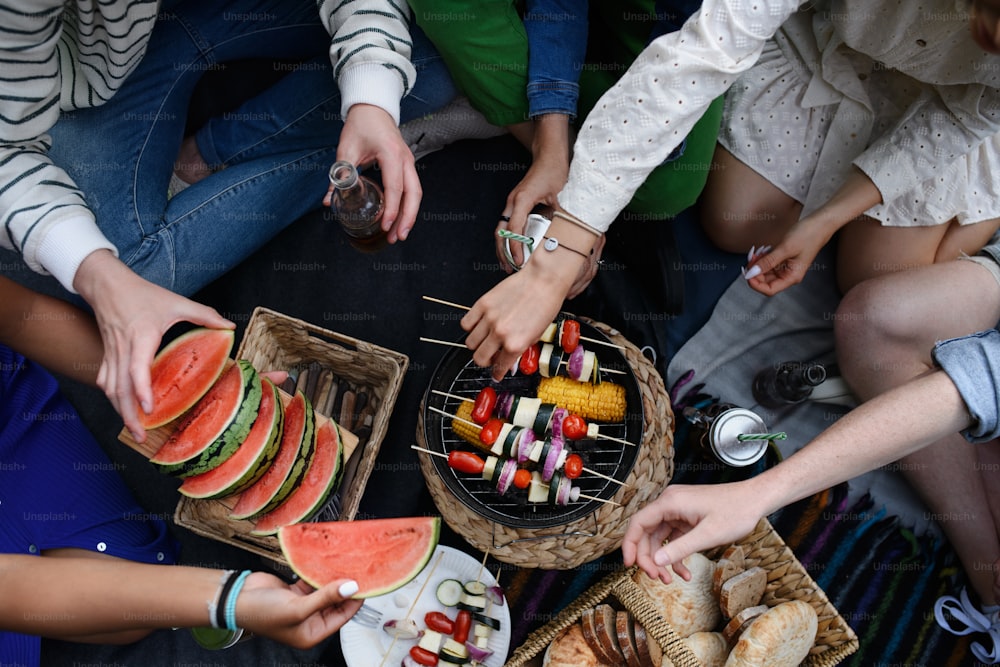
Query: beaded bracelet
(213, 605)
(230, 603)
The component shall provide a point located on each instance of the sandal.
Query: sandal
(973, 620)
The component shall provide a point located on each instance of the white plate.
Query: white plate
(366, 647)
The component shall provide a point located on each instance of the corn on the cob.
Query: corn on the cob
(465, 431)
(600, 402)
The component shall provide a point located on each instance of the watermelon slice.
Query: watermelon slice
(319, 482)
(212, 431)
(184, 371)
(298, 442)
(380, 554)
(241, 470)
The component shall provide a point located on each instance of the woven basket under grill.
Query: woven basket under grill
(599, 532)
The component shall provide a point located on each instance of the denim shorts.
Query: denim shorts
(973, 364)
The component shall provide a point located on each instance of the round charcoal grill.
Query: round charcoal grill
(458, 375)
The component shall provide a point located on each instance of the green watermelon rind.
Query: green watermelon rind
(318, 502)
(302, 462)
(254, 471)
(150, 422)
(222, 446)
(419, 564)
(307, 435)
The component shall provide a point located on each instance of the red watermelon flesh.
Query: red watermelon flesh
(317, 485)
(380, 554)
(184, 371)
(251, 460)
(298, 426)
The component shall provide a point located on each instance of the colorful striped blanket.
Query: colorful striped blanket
(881, 577)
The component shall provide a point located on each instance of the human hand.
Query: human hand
(692, 518)
(293, 614)
(545, 178)
(513, 315)
(786, 265)
(371, 135)
(132, 315)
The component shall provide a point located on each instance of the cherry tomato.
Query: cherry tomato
(573, 466)
(522, 479)
(423, 657)
(574, 427)
(463, 623)
(439, 622)
(490, 431)
(486, 400)
(570, 335)
(529, 359)
(465, 462)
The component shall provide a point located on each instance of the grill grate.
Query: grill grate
(458, 375)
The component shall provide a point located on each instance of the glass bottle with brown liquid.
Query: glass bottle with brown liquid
(357, 203)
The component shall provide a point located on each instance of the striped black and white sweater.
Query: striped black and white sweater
(60, 55)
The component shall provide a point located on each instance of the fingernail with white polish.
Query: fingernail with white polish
(752, 273)
(348, 588)
(750, 254)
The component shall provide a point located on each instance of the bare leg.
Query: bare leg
(740, 208)
(885, 331)
(867, 249)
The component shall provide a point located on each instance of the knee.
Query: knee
(871, 326)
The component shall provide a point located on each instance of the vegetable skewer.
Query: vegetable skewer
(573, 426)
(461, 307)
(549, 461)
(559, 483)
(561, 361)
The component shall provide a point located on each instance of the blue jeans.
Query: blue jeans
(276, 147)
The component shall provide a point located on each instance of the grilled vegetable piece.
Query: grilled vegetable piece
(600, 402)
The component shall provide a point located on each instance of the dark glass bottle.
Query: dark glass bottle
(357, 203)
(787, 383)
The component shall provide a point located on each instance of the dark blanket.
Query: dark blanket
(882, 580)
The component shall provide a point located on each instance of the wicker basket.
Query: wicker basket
(786, 580)
(567, 546)
(274, 341)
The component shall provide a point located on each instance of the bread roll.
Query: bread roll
(688, 606)
(569, 649)
(711, 648)
(780, 637)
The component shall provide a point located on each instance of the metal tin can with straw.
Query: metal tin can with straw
(718, 428)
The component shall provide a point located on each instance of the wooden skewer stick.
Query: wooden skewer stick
(483, 563)
(446, 342)
(455, 396)
(455, 417)
(600, 500)
(446, 303)
(603, 476)
(388, 651)
(461, 307)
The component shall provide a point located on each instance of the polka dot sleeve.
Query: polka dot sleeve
(639, 121)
